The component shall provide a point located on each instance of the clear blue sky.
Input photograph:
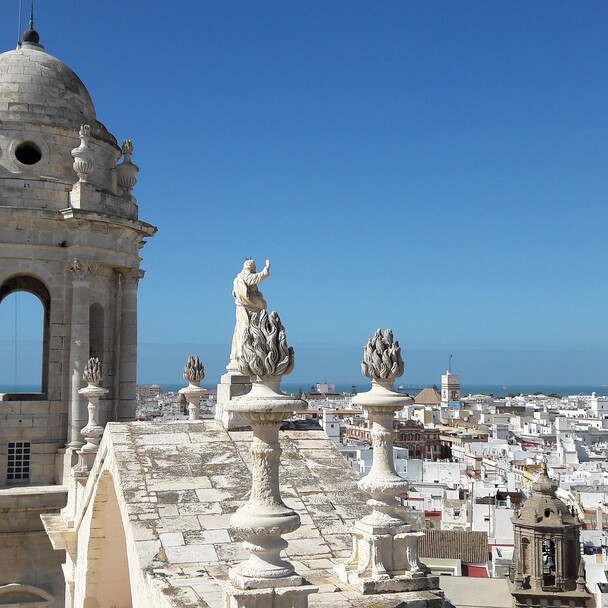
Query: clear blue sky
(435, 167)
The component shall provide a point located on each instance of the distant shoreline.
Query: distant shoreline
(485, 389)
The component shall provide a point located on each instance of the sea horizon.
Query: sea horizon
(496, 390)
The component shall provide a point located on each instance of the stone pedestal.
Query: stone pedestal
(193, 395)
(378, 548)
(265, 518)
(93, 431)
(265, 577)
(277, 597)
(385, 547)
(231, 386)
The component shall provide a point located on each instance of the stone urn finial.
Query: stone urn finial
(83, 155)
(194, 372)
(127, 171)
(93, 431)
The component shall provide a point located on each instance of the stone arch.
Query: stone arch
(16, 594)
(34, 286)
(107, 581)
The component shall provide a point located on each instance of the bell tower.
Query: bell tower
(70, 236)
(547, 565)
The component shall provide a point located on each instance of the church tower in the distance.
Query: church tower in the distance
(547, 563)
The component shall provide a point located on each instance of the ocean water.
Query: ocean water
(496, 390)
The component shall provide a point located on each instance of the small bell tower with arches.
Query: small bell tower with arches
(547, 569)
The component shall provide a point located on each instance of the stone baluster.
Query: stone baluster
(93, 431)
(265, 357)
(385, 547)
(194, 372)
(83, 156)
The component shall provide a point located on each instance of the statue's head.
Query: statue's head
(249, 265)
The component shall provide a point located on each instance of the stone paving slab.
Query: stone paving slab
(179, 482)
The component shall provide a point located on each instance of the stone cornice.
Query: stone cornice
(79, 215)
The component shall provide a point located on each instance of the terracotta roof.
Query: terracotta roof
(428, 396)
(470, 547)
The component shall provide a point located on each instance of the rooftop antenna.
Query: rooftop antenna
(450, 364)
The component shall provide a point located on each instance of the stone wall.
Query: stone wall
(27, 555)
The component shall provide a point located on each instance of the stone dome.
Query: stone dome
(543, 509)
(36, 87)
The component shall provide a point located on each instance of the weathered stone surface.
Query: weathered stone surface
(180, 536)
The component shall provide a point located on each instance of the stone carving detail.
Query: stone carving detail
(194, 372)
(83, 155)
(131, 276)
(82, 268)
(248, 300)
(92, 372)
(264, 350)
(382, 357)
(385, 548)
(93, 431)
(263, 520)
(126, 171)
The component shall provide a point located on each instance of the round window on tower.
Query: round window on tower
(28, 153)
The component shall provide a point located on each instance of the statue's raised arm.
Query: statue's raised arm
(248, 299)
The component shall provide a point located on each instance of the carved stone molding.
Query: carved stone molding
(131, 276)
(82, 269)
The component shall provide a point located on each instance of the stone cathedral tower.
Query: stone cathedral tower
(70, 236)
(547, 564)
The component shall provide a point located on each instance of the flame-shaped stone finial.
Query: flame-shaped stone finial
(92, 373)
(194, 371)
(264, 350)
(382, 357)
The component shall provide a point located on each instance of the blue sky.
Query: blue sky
(434, 167)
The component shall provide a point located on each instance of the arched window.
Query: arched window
(549, 565)
(24, 336)
(525, 556)
(96, 331)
